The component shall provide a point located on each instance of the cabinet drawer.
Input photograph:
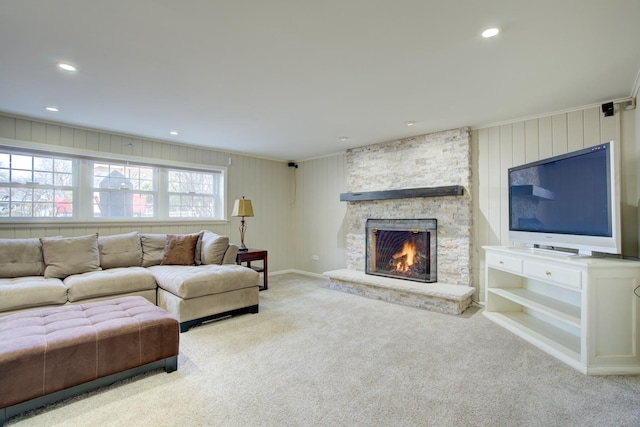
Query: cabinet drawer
(504, 262)
(561, 275)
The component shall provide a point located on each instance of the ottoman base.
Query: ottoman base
(169, 364)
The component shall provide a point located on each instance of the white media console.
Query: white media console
(582, 310)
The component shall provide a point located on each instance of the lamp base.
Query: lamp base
(242, 230)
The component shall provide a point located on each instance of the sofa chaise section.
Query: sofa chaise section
(197, 294)
(211, 287)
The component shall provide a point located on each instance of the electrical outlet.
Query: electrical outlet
(315, 257)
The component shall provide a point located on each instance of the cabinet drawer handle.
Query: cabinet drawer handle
(501, 262)
(548, 273)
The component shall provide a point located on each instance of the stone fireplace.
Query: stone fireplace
(402, 248)
(438, 160)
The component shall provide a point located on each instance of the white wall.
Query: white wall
(267, 183)
(319, 215)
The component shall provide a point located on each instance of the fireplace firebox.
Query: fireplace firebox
(402, 248)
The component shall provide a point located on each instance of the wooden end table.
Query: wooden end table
(255, 255)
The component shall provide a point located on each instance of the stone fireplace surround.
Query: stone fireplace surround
(433, 160)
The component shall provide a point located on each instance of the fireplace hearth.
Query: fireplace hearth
(402, 249)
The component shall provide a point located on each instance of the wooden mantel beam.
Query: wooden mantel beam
(450, 190)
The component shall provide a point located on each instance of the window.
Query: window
(34, 186)
(192, 194)
(123, 190)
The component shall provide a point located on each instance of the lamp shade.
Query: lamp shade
(242, 207)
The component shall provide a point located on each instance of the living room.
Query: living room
(300, 219)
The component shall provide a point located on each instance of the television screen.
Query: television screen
(570, 195)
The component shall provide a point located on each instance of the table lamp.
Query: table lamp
(242, 207)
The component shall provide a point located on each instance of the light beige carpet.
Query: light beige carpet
(319, 357)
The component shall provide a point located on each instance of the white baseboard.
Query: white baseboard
(304, 273)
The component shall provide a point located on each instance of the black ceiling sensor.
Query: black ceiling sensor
(607, 109)
(293, 165)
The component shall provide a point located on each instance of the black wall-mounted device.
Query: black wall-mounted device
(608, 109)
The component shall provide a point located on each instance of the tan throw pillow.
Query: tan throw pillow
(120, 250)
(152, 248)
(64, 256)
(180, 249)
(21, 257)
(214, 247)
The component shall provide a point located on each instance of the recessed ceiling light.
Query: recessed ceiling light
(52, 109)
(173, 132)
(411, 123)
(344, 138)
(490, 32)
(66, 67)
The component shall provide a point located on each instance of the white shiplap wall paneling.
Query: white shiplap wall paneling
(500, 147)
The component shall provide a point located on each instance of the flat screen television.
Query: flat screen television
(570, 201)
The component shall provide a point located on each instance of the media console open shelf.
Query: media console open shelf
(579, 309)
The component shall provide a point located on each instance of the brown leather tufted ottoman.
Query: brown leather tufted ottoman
(48, 355)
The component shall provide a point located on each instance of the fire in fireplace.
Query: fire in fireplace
(402, 248)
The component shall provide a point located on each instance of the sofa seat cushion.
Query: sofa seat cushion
(196, 281)
(113, 281)
(30, 291)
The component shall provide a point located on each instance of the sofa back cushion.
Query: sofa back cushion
(120, 250)
(214, 247)
(152, 248)
(21, 257)
(64, 256)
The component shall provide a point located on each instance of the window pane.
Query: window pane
(43, 178)
(42, 164)
(21, 162)
(21, 202)
(4, 167)
(5, 199)
(63, 203)
(191, 194)
(21, 177)
(119, 190)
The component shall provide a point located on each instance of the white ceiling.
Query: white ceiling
(285, 79)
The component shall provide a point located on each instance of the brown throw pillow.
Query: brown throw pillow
(180, 249)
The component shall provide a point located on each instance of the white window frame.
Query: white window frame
(83, 200)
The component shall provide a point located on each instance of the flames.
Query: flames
(404, 259)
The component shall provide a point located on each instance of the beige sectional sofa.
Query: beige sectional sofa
(192, 276)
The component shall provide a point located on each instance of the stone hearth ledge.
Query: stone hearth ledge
(442, 298)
